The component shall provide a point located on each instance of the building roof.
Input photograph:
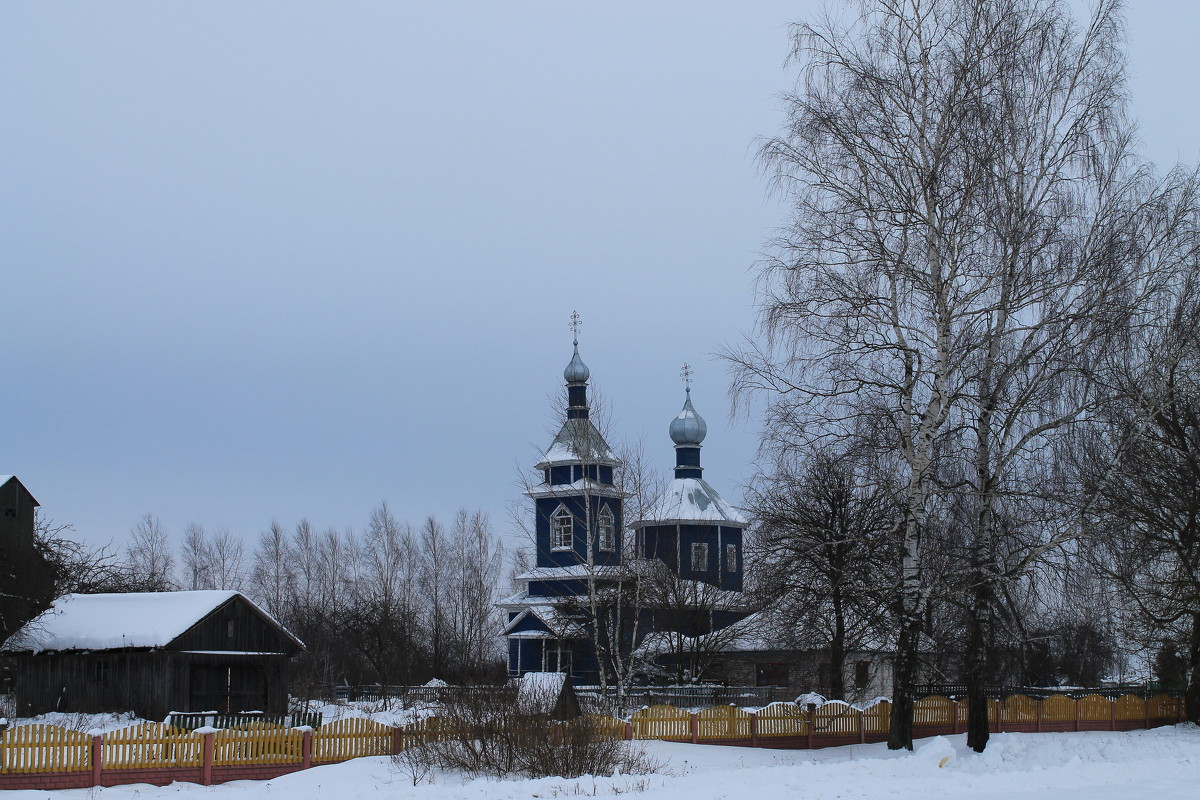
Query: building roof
(690, 500)
(119, 621)
(556, 624)
(6, 478)
(688, 428)
(577, 442)
(572, 572)
(582, 486)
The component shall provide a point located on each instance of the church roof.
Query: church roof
(574, 571)
(688, 428)
(578, 441)
(582, 486)
(552, 620)
(691, 500)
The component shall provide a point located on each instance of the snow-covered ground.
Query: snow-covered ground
(1158, 764)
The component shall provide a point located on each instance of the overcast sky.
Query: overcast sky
(276, 260)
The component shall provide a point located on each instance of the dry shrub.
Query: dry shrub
(491, 734)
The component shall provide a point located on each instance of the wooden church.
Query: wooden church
(589, 585)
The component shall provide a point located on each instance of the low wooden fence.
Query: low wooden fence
(50, 757)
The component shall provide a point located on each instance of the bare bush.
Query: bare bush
(494, 734)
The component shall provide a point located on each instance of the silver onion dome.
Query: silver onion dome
(576, 371)
(689, 427)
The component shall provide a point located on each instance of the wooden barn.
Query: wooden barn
(152, 653)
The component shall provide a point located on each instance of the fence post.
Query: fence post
(954, 710)
(207, 765)
(812, 714)
(97, 759)
(1112, 714)
(629, 731)
(1146, 711)
(862, 726)
(1038, 726)
(1076, 714)
(753, 729)
(694, 727)
(397, 740)
(306, 750)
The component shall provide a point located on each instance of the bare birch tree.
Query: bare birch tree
(151, 562)
(970, 225)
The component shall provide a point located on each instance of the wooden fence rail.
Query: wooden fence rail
(52, 757)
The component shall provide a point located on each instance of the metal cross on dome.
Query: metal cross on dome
(686, 374)
(576, 321)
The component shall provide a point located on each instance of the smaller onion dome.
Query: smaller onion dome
(689, 428)
(576, 371)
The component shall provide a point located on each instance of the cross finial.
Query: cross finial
(686, 374)
(575, 323)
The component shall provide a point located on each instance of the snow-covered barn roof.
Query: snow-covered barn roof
(117, 621)
(691, 500)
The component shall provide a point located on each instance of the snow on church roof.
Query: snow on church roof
(578, 440)
(112, 621)
(691, 500)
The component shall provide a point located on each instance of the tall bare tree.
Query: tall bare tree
(969, 227)
(151, 562)
(824, 541)
(272, 572)
(1141, 472)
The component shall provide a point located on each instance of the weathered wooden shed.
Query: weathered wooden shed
(152, 653)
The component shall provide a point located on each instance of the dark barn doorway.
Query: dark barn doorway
(228, 688)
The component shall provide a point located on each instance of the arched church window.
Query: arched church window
(607, 529)
(561, 527)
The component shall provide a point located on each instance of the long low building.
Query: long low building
(152, 653)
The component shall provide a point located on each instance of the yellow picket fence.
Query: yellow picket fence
(877, 719)
(151, 745)
(661, 722)
(44, 748)
(351, 738)
(933, 710)
(1129, 706)
(1094, 708)
(608, 727)
(836, 719)
(1163, 706)
(430, 729)
(722, 722)
(1018, 708)
(258, 743)
(1058, 708)
(782, 719)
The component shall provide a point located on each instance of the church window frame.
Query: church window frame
(699, 556)
(731, 558)
(557, 656)
(606, 530)
(562, 529)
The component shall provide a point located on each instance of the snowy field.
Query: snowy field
(1160, 763)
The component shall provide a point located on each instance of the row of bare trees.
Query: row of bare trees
(982, 312)
(391, 604)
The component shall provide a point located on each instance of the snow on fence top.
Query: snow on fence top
(112, 621)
